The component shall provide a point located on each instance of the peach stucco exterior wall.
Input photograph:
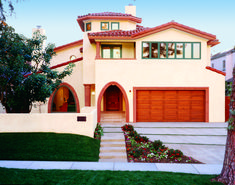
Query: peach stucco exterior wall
(123, 25)
(165, 73)
(75, 79)
(57, 123)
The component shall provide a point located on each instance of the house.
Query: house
(224, 61)
(157, 74)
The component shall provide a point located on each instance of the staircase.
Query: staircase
(112, 147)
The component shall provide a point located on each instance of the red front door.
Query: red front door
(113, 98)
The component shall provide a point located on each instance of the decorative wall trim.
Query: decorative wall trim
(216, 70)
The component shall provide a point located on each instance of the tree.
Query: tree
(3, 12)
(25, 76)
(227, 175)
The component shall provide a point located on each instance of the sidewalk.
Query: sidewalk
(207, 169)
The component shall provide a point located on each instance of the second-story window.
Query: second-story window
(104, 25)
(88, 26)
(111, 51)
(114, 25)
(171, 50)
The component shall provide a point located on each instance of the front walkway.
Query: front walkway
(209, 169)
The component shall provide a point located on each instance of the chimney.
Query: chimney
(130, 9)
(42, 32)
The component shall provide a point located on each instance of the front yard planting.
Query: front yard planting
(48, 147)
(141, 149)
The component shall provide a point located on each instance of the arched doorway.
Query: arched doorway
(64, 99)
(113, 104)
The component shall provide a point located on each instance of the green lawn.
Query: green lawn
(48, 147)
(18, 176)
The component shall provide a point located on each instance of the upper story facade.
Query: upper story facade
(119, 39)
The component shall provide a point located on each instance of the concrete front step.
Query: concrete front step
(112, 130)
(116, 144)
(183, 131)
(112, 149)
(113, 136)
(112, 140)
(113, 160)
(112, 155)
(200, 140)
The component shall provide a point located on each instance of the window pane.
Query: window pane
(88, 26)
(115, 25)
(188, 50)
(162, 50)
(196, 50)
(104, 26)
(179, 50)
(116, 52)
(154, 50)
(106, 52)
(171, 50)
(145, 50)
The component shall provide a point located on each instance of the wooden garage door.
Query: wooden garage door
(170, 105)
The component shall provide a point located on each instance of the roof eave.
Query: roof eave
(130, 18)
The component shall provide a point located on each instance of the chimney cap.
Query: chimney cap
(39, 26)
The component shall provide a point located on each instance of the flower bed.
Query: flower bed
(98, 131)
(141, 149)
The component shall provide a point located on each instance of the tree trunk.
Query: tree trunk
(227, 175)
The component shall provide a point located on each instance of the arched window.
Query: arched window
(72, 57)
(63, 101)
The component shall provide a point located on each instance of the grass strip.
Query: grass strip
(68, 177)
(48, 147)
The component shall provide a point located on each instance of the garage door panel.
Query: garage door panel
(170, 105)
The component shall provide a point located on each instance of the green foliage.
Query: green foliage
(175, 153)
(228, 88)
(20, 57)
(157, 144)
(127, 128)
(98, 131)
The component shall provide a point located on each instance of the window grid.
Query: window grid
(111, 50)
(175, 53)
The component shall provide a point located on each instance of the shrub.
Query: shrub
(127, 128)
(175, 153)
(136, 152)
(98, 131)
(157, 144)
(133, 134)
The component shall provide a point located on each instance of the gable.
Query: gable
(173, 35)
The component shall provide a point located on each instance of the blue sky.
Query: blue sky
(58, 18)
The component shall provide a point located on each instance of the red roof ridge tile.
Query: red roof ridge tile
(107, 15)
(71, 44)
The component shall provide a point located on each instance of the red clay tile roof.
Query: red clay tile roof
(66, 46)
(142, 32)
(107, 15)
(118, 33)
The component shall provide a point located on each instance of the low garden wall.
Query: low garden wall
(83, 123)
